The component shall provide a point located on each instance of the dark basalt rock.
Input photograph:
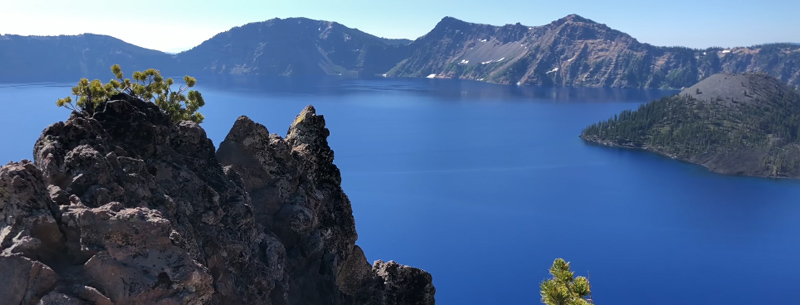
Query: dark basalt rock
(124, 206)
(296, 192)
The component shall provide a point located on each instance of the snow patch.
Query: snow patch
(491, 61)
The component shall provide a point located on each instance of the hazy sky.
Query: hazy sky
(171, 25)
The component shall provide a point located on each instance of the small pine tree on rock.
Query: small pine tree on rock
(564, 288)
(147, 86)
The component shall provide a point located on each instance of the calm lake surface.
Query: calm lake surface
(484, 185)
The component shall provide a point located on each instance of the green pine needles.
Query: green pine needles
(148, 86)
(564, 288)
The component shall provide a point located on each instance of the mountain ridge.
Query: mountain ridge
(576, 51)
(570, 51)
(28, 58)
(292, 46)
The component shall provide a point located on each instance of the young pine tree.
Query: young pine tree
(564, 288)
(148, 86)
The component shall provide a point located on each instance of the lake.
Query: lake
(484, 185)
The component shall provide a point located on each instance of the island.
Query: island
(737, 124)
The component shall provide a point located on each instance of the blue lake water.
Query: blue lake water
(484, 185)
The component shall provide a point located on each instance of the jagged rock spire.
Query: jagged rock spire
(125, 206)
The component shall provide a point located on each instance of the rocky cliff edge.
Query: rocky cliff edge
(127, 207)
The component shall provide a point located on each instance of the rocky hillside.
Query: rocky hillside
(127, 207)
(53, 58)
(575, 51)
(738, 124)
(292, 47)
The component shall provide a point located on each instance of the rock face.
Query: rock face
(575, 51)
(127, 207)
(743, 124)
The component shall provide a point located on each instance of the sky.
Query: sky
(176, 25)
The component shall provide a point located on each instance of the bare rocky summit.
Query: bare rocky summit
(127, 207)
(732, 89)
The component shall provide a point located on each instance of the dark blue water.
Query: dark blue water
(484, 185)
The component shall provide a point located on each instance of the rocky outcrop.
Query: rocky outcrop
(296, 192)
(400, 284)
(127, 207)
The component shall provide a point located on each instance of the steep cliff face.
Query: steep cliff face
(575, 51)
(296, 193)
(292, 47)
(126, 207)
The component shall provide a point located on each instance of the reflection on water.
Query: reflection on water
(440, 88)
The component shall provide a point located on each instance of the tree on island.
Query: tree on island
(148, 86)
(564, 288)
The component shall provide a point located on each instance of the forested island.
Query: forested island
(737, 124)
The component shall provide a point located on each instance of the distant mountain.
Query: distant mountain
(294, 46)
(575, 51)
(743, 124)
(571, 51)
(395, 41)
(38, 58)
